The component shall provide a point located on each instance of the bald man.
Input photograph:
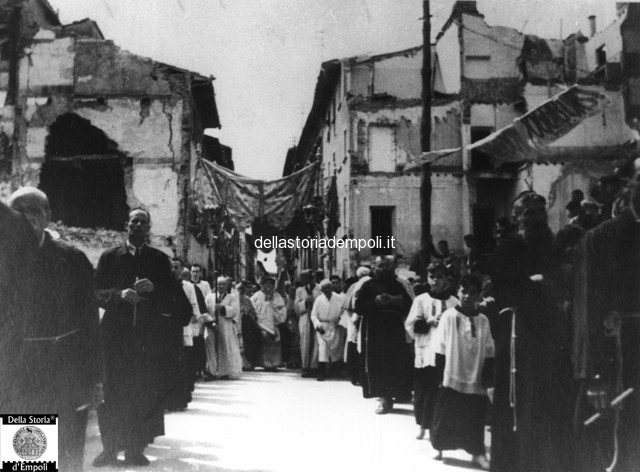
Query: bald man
(383, 303)
(60, 341)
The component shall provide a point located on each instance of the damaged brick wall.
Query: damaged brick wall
(145, 107)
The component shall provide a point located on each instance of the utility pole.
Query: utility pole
(13, 94)
(425, 127)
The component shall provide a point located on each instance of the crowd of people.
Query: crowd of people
(537, 338)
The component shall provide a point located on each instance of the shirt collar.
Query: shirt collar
(131, 249)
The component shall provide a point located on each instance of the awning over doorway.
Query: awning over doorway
(529, 136)
(247, 200)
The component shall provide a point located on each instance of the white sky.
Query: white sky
(266, 54)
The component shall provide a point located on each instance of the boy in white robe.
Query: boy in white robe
(325, 316)
(421, 324)
(466, 351)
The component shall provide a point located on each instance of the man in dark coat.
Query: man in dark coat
(59, 355)
(384, 304)
(18, 246)
(136, 288)
(606, 339)
(538, 382)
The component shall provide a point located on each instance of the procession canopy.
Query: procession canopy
(247, 200)
(529, 136)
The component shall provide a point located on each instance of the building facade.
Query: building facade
(364, 125)
(99, 129)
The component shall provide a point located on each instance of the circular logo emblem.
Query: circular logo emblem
(29, 442)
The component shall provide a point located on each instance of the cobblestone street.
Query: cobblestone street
(279, 422)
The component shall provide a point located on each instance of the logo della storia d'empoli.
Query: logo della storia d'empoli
(29, 442)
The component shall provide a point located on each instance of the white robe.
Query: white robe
(466, 343)
(270, 314)
(193, 328)
(223, 350)
(326, 313)
(426, 307)
(308, 348)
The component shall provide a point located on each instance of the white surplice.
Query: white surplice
(223, 350)
(326, 313)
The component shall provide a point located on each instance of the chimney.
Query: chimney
(592, 25)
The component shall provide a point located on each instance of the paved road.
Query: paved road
(279, 422)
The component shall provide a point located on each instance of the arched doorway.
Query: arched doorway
(83, 175)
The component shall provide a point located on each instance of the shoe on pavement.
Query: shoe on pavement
(105, 458)
(481, 462)
(137, 459)
(438, 457)
(420, 434)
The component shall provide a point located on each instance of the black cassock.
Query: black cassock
(16, 255)
(140, 346)
(608, 279)
(387, 358)
(50, 345)
(544, 385)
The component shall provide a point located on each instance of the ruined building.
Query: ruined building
(364, 125)
(99, 129)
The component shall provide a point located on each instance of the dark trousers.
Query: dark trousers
(71, 435)
(425, 391)
(199, 355)
(353, 363)
(285, 342)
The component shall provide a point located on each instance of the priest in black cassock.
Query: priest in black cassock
(384, 304)
(58, 358)
(606, 339)
(16, 255)
(135, 286)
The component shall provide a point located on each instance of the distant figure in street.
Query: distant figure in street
(325, 316)
(422, 324)
(466, 351)
(60, 354)
(473, 253)
(337, 283)
(352, 351)
(223, 352)
(138, 291)
(292, 360)
(202, 290)
(271, 311)
(305, 296)
(186, 373)
(443, 249)
(384, 304)
(251, 338)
